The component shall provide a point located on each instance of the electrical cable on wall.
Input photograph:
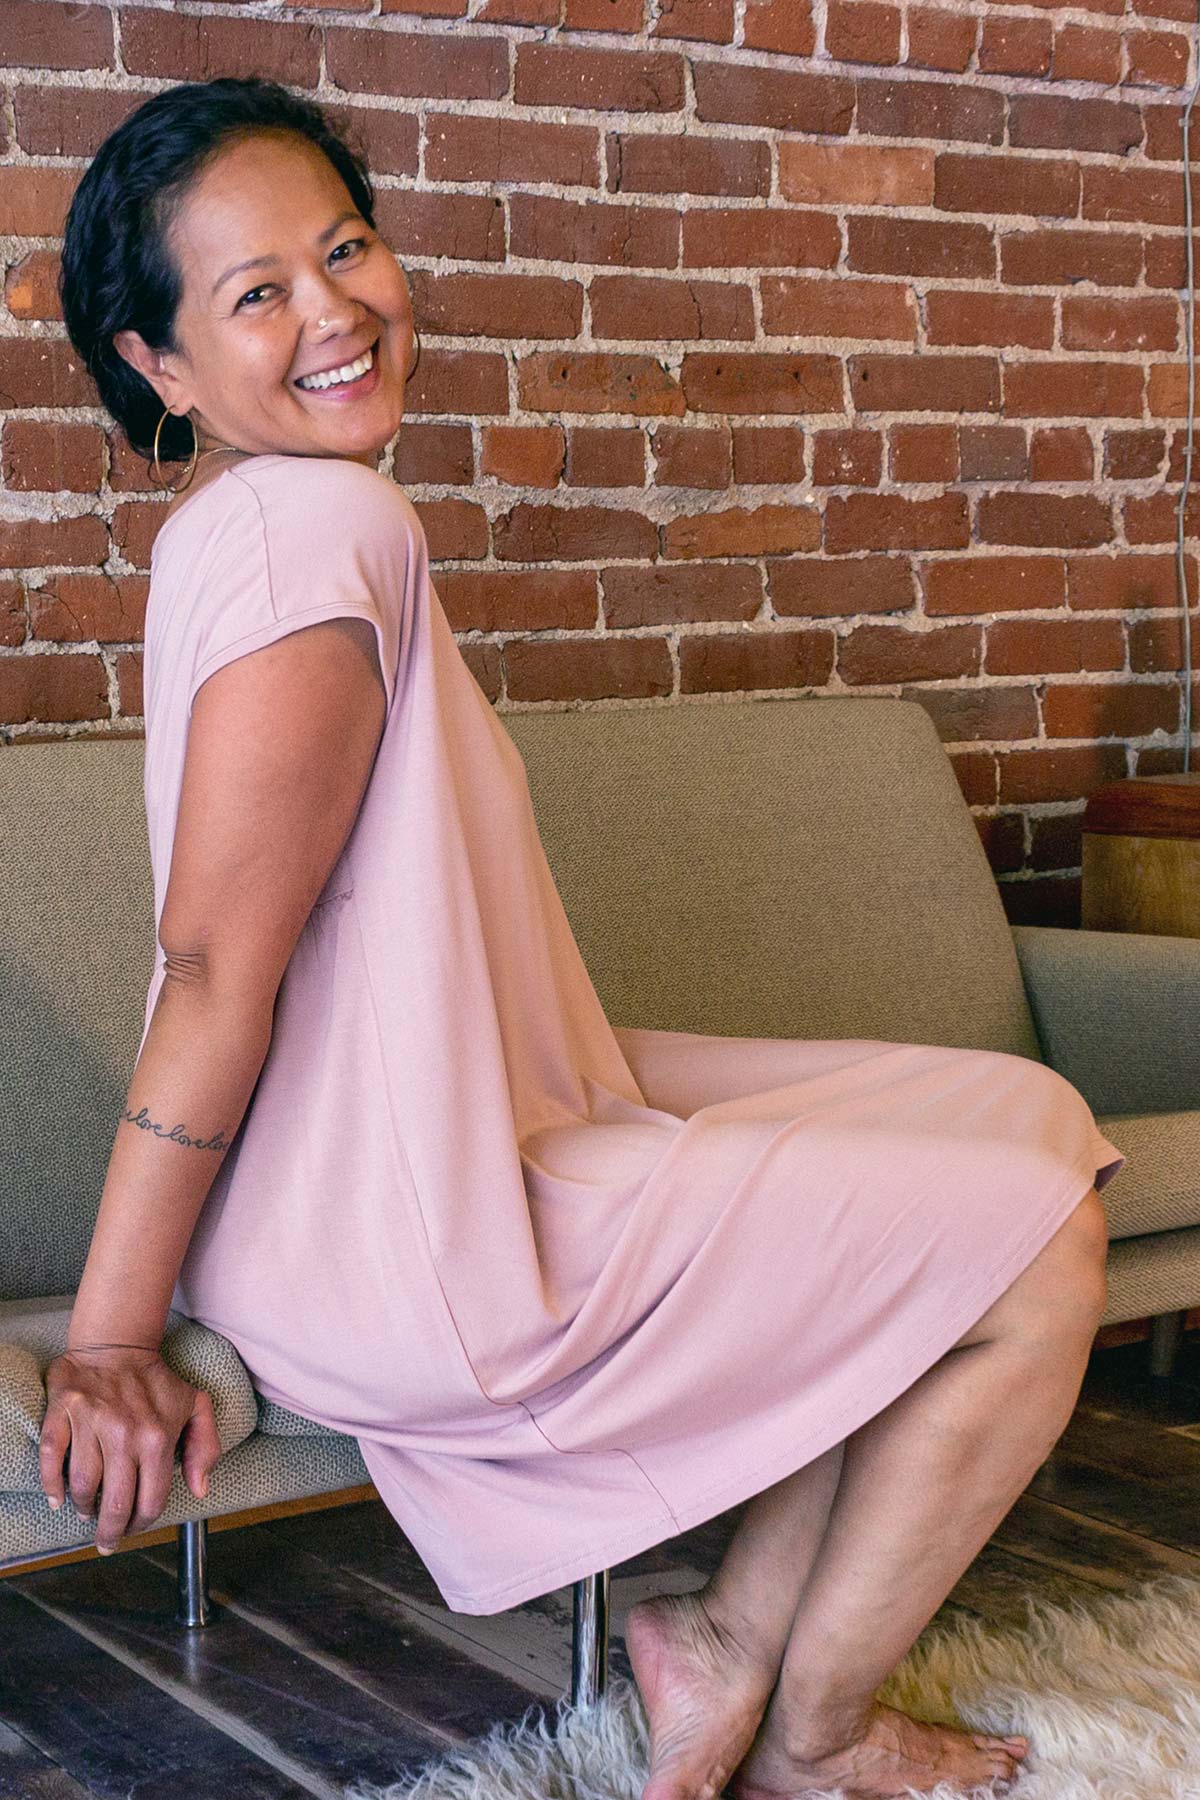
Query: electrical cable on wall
(1180, 565)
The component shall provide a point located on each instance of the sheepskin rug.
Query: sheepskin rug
(1107, 1691)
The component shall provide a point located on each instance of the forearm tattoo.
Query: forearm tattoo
(176, 1135)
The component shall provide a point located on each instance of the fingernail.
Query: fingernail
(105, 1550)
(55, 1504)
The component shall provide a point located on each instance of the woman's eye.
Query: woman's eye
(349, 244)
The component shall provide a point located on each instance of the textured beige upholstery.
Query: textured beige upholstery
(778, 867)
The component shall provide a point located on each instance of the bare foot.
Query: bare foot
(888, 1754)
(703, 1693)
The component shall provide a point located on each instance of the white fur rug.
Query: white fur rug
(1107, 1692)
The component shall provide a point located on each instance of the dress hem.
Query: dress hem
(654, 1529)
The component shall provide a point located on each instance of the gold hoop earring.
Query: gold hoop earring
(162, 482)
(413, 370)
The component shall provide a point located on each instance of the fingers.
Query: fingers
(52, 1449)
(156, 1470)
(201, 1443)
(134, 1484)
(121, 1447)
(85, 1467)
(120, 1479)
(106, 1468)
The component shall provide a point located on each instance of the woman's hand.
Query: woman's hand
(120, 1410)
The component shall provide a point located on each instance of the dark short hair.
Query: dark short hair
(117, 273)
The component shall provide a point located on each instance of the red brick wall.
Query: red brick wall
(763, 349)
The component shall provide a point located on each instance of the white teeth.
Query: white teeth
(348, 372)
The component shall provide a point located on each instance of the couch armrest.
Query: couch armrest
(1118, 1014)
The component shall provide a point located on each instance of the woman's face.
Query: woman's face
(247, 335)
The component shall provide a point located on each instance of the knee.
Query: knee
(1074, 1269)
(1088, 1226)
(1060, 1297)
(1085, 1234)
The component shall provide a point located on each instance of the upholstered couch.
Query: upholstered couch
(791, 867)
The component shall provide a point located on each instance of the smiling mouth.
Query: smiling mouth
(307, 385)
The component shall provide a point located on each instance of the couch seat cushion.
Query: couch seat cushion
(1159, 1187)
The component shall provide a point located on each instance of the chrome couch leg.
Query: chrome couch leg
(194, 1606)
(589, 1649)
(1165, 1334)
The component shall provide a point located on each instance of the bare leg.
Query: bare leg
(706, 1661)
(922, 1487)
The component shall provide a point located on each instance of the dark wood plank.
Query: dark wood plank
(1141, 1477)
(1103, 1554)
(258, 1686)
(108, 1727)
(25, 1774)
(362, 1628)
(528, 1647)
(997, 1584)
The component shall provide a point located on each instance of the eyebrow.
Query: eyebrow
(255, 262)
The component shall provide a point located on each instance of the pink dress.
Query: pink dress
(573, 1288)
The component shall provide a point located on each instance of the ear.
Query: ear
(152, 364)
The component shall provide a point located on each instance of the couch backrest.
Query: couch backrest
(77, 950)
(776, 868)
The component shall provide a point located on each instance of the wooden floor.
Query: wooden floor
(332, 1659)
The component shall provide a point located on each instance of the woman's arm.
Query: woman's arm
(280, 748)
(281, 743)
(203, 1053)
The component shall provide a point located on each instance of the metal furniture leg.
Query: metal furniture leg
(589, 1649)
(1165, 1333)
(194, 1607)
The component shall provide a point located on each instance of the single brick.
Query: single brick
(768, 453)
(596, 381)
(688, 457)
(767, 530)
(784, 25)
(523, 455)
(846, 457)
(577, 75)
(605, 456)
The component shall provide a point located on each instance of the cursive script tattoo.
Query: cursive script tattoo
(177, 1135)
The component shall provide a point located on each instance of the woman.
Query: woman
(573, 1288)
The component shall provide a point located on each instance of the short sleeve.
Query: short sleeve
(309, 542)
